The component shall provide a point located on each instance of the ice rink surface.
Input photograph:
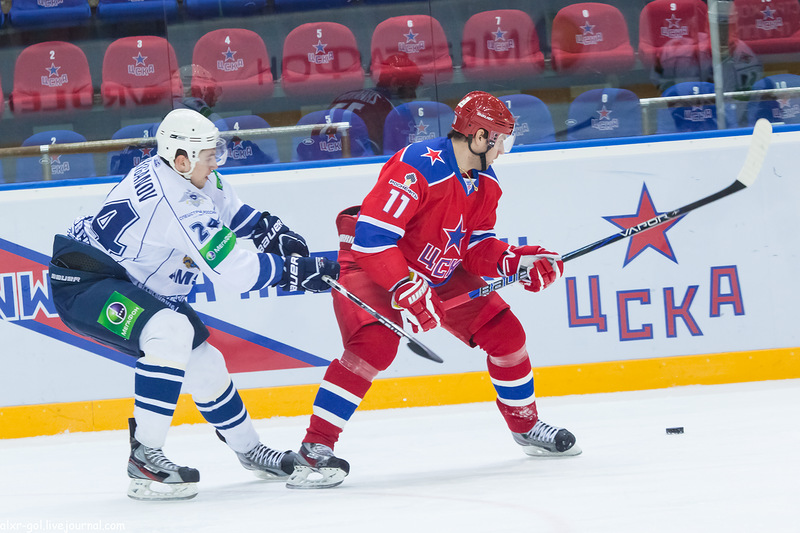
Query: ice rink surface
(454, 469)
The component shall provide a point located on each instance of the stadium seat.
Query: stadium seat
(590, 38)
(305, 5)
(769, 27)
(604, 113)
(329, 145)
(674, 38)
(51, 76)
(692, 117)
(321, 59)
(140, 70)
(29, 13)
(409, 51)
(126, 10)
(62, 166)
(371, 106)
(415, 121)
(248, 152)
(500, 44)
(224, 8)
(2, 107)
(783, 108)
(234, 62)
(532, 120)
(123, 161)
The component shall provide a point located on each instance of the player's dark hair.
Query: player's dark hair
(456, 135)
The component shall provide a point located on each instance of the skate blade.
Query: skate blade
(305, 477)
(535, 451)
(149, 490)
(270, 476)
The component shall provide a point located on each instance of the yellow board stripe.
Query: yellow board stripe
(445, 389)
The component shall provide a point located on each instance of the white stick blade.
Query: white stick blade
(759, 143)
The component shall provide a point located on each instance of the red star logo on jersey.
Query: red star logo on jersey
(434, 156)
(654, 238)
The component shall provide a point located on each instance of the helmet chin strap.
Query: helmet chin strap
(481, 155)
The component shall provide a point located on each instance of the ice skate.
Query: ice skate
(154, 477)
(266, 463)
(545, 440)
(317, 468)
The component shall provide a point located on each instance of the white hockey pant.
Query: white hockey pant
(170, 363)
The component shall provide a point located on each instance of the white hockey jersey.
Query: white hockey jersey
(164, 231)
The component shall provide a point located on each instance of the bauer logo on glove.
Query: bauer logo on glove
(272, 236)
(305, 273)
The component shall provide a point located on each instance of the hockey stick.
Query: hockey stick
(413, 344)
(759, 142)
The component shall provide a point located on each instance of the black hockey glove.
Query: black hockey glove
(272, 236)
(305, 273)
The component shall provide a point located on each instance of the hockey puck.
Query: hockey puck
(675, 431)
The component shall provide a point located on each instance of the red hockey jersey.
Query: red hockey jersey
(422, 214)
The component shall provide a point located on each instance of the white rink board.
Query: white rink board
(555, 198)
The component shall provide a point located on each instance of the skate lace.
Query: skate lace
(543, 432)
(156, 457)
(265, 456)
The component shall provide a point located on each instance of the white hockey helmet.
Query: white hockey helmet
(188, 130)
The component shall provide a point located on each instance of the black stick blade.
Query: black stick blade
(423, 351)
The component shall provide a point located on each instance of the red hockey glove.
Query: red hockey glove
(538, 268)
(419, 304)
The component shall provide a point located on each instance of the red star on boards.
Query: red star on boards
(655, 238)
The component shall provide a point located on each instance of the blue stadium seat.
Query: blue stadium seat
(224, 8)
(27, 13)
(329, 145)
(533, 122)
(248, 152)
(784, 109)
(415, 121)
(687, 117)
(303, 5)
(122, 162)
(63, 166)
(118, 10)
(603, 114)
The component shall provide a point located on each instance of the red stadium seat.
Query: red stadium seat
(409, 51)
(321, 59)
(235, 62)
(771, 27)
(140, 70)
(591, 38)
(674, 37)
(51, 76)
(500, 44)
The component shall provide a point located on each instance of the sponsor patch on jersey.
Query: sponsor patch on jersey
(219, 247)
(119, 315)
(405, 186)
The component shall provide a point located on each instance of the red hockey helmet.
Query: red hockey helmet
(480, 110)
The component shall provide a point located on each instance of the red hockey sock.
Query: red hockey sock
(339, 395)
